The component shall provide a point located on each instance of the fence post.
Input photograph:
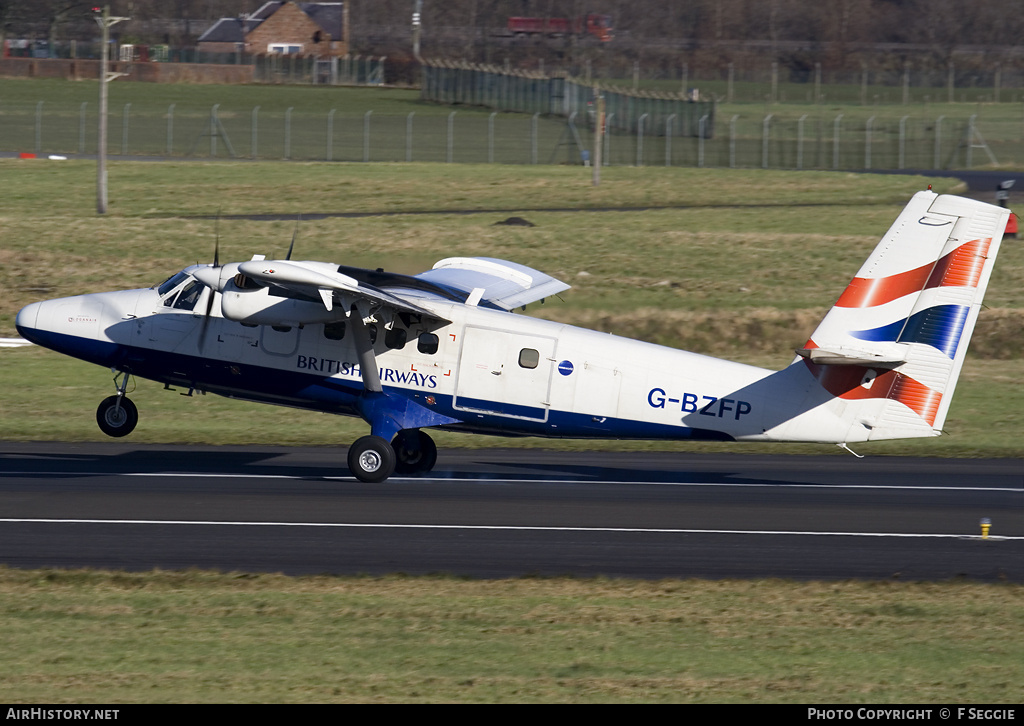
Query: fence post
(81, 127)
(640, 139)
(451, 137)
(490, 137)
(288, 132)
(330, 135)
(124, 129)
(39, 127)
(800, 142)
(867, 142)
(408, 136)
(970, 140)
(533, 138)
(668, 139)
(253, 133)
(765, 133)
(835, 142)
(938, 142)
(170, 130)
(903, 141)
(366, 135)
(732, 141)
(701, 129)
(608, 139)
(213, 131)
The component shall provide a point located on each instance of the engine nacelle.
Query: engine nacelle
(260, 307)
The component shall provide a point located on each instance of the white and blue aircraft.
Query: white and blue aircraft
(442, 349)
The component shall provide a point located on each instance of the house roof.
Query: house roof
(229, 30)
(329, 16)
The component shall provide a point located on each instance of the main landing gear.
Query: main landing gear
(373, 459)
(117, 415)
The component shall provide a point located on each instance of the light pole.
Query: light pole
(417, 26)
(105, 21)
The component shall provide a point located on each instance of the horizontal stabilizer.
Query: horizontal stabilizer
(887, 356)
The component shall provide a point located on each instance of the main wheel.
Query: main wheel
(415, 452)
(371, 459)
(117, 419)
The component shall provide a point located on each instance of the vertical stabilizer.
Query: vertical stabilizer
(893, 345)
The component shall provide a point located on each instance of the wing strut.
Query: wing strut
(364, 349)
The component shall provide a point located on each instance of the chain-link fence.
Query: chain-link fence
(636, 112)
(824, 141)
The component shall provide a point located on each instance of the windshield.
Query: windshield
(172, 282)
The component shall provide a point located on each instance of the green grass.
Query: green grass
(94, 637)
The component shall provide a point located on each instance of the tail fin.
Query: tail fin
(894, 343)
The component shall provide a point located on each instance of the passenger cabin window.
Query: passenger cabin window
(334, 331)
(529, 358)
(395, 338)
(427, 344)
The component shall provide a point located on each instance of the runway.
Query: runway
(508, 513)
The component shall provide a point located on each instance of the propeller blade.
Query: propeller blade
(206, 319)
(210, 276)
(216, 241)
(294, 235)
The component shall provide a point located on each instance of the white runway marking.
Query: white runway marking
(510, 528)
(499, 480)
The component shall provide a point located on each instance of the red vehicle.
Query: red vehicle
(599, 26)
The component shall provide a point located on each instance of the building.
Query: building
(317, 29)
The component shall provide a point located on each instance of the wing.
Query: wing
(326, 282)
(500, 283)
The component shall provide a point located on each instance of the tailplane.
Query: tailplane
(893, 345)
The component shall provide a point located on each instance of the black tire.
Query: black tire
(117, 420)
(415, 452)
(371, 459)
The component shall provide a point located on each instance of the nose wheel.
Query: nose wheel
(117, 416)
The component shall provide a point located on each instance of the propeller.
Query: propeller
(210, 276)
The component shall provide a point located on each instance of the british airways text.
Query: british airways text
(703, 405)
(387, 375)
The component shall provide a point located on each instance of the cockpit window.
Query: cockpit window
(188, 297)
(172, 282)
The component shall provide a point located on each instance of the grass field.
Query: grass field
(93, 637)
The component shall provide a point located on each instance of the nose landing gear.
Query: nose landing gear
(117, 416)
